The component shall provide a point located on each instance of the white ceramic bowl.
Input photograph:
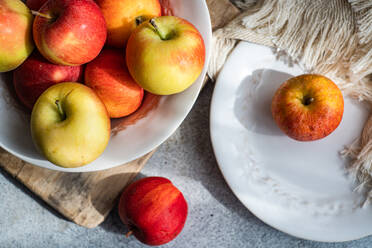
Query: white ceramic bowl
(133, 142)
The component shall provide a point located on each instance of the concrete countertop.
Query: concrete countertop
(216, 217)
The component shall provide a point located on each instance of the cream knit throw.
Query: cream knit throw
(329, 37)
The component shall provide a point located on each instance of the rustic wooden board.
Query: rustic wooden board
(87, 198)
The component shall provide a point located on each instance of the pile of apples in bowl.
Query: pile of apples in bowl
(89, 85)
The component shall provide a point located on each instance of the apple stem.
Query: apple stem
(158, 31)
(140, 20)
(309, 100)
(63, 116)
(128, 234)
(37, 13)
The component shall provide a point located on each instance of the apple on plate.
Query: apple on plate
(165, 55)
(108, 76)
(37, 74)
(69, 32)
(15, 34)
(122, 17)
(70, 125)
(308, 107)
(35, 4)
(154, 210)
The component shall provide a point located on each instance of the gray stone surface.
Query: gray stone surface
(216, 217)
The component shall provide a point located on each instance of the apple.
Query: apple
(122, 17)
(308, 107)
(154, 210)
(15, 34)
(108, 76)
(35, 4)
(70, 125)
(37, 74)
(69, 32)
(165, 55)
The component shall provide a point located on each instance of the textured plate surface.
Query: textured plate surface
(300, 188)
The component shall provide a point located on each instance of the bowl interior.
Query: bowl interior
(136, 139)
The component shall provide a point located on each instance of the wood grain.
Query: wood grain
(87, 198)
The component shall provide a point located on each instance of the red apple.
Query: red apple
(108, 76)
(35, 4)
(165, 55)
(70, 32)
(154, 210)
(308, 107)
(121, 15)
(37, 74)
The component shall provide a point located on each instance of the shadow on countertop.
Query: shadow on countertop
(112, 222)
(206, 170)
(26, 191)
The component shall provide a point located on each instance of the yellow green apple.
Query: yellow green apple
(16, 42)
(70, 125)
(165, 55)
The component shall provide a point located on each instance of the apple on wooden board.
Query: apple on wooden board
(37, 74)
(154, 210)
(16, 42)
(308, 107)
(108, 76)
(70, 125)
(69, 32)
(165, 55)
(35, 4)
(122, 17)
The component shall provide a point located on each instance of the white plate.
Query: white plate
(300, 188)
(136, 140)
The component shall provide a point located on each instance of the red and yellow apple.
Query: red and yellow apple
(165, 55)
(15, 34)
(121, 16)
(69, 32)
(70, 125)
(35, 4)
(108, 76)
(308, 107)
(37, 74)
(154, 210)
